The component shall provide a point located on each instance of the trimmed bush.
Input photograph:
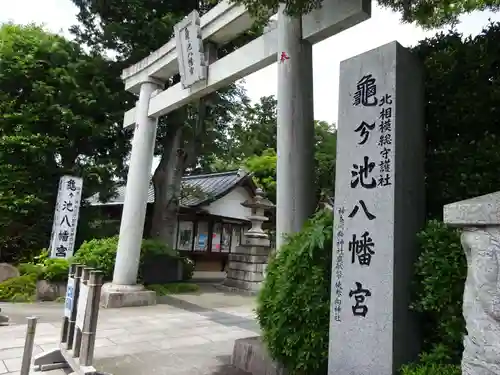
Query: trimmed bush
(56, 270)
(294, 303)
(431, 369)
(98, 253)
(18, 289)
(101, 254)
(440, 273)
(44, 268)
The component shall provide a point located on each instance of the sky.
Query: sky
(381, 28)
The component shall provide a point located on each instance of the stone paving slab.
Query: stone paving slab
(193, 334)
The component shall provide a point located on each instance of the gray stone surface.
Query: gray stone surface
(247, 267)
(250, 275)
(251, 250)
(479, 218)
(48, 291)
(483, 210)
(380, 140)
(193, 334)
(481, 306)
(250, 355)
(7, 271)
(237, 285)
(246, 258)
(4, 319)
(117, 296)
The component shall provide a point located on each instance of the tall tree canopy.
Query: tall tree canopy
(426, 13)
(59, 114)
(252, 137)
(133, 29)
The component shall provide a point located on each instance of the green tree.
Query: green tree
(263, 167)
(188, 137)
(253, 145)
(462, 85)
(254, 129)
(59, 112)
(426, 13)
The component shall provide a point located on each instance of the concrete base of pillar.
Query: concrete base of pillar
(250, 355)
(116, 296)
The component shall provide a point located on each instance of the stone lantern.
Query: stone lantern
(479, 220)
(247, 263)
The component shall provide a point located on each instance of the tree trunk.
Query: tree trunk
(167, 182)
(167, 178)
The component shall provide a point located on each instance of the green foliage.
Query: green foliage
(101, 254)
(56, 270)
(31, 269)
(253, 146)
(174, 288)
(437, 13)
(294, 303)
(98, 253)
(44, 268)
(58, 115)
(425, 13)
(431, 369)
(263, 168)
(18, 289)
(462, 85)
(440, 276)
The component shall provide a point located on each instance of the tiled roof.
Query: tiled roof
(201, 189)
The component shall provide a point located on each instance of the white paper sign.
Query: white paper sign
(82, 305)
(70, 297)
(62, 241)
(189, 47)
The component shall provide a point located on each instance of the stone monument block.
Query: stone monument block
(479, 219)
(379, 208)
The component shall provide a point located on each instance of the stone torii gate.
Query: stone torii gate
(290, 43)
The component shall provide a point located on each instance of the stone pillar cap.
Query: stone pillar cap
(479, 211)
(259, 201)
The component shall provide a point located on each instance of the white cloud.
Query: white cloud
(383, 27)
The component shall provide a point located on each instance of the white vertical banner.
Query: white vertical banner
(62, 242)
(189, 47)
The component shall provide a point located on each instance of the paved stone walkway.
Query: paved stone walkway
(188, 334)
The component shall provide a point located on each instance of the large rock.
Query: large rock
(48, 291)
(4, 319)
(7, 271)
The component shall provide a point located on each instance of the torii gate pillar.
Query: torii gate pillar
(295, 138)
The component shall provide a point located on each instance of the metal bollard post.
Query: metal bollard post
(65, 320)
(28, 346)
(74, 308)
(78, 330)
(90, 327)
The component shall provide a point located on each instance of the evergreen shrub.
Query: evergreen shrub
(294, 303)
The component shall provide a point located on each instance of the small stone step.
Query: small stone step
(228, 370)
